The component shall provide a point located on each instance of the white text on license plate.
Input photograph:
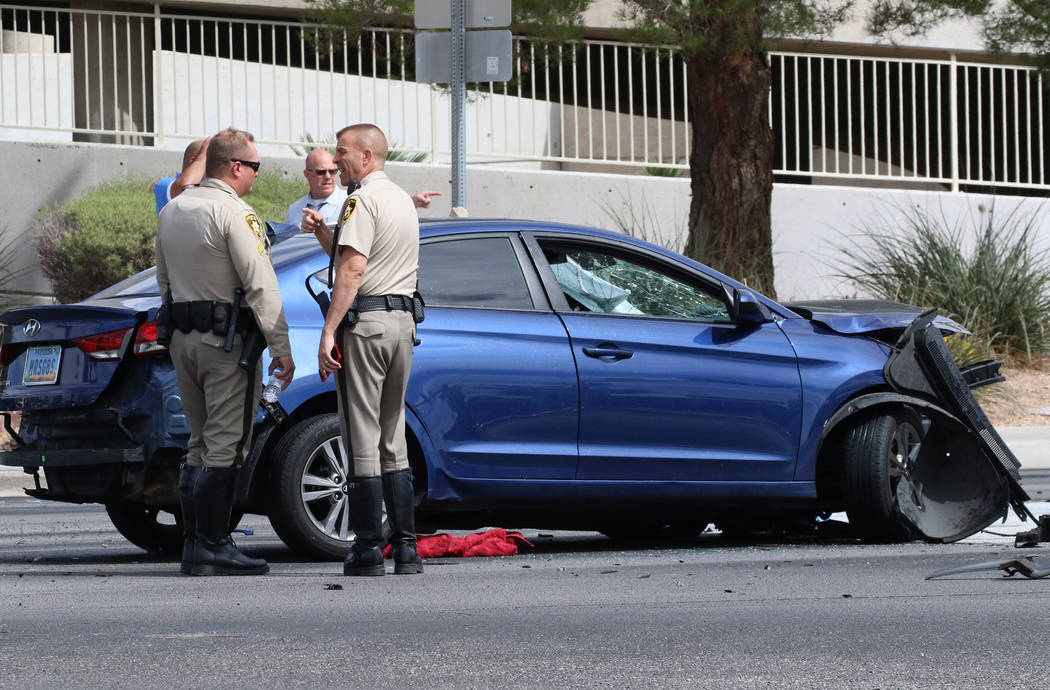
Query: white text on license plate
(42, 365)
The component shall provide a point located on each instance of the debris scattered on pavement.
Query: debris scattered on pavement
(1025, 565)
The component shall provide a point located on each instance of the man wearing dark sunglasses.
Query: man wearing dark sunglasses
(325, 196)
(220, 291)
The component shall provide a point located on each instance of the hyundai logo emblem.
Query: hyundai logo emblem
(31, 328)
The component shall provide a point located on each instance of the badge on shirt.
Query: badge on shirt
(348, 209)
(254, 224)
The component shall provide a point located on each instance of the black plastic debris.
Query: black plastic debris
(1032, 538)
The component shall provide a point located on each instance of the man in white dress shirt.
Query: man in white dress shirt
(325, 196)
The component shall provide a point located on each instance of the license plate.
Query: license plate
(42, 365)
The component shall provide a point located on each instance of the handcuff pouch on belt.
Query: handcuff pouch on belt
(208, 316)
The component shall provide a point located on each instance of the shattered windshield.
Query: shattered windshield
(598, 282)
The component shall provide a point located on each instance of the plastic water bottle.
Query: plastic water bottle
(272, 390)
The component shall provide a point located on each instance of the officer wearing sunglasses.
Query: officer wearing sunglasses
(213, 263)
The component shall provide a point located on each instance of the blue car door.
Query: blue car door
(493, 378)
(670, 387)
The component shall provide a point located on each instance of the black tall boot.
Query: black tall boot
(214, 553)
(366, 517)
(187, 478)
(401, 512)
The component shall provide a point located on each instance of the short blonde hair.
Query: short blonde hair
(225, 146)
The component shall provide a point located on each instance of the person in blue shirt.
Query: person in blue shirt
(193, 163)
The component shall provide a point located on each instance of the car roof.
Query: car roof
(433, 227)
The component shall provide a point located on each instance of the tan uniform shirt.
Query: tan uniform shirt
(379, 220)
(210, 242)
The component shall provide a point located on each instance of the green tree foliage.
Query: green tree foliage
(1010, 26)
(555, 21)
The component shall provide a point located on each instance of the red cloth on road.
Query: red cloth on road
(493, 542)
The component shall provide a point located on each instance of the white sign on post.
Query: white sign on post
(460, 56)
(488, 57)
(480, 14)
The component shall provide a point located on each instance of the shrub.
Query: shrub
(109, 233)
(98, 239)
(273, 192)
(983, 271)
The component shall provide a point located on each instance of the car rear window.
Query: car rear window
(145, 283)
(478, 272)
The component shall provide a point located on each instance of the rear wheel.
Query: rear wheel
(148, 528)
(878, 451)
(310, 501)
(153, 529)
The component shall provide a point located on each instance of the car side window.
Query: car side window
(480, 272)
(607, 283)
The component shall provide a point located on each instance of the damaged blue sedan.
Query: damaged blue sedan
(564, 378)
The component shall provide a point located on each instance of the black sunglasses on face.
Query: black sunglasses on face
(325, 171)
(254, 165)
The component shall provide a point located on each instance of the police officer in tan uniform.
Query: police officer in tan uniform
(212, 251)
(376, 249)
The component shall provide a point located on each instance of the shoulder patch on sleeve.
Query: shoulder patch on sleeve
(254, 224)
(348, 209)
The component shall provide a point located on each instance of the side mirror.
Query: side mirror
(748, 309)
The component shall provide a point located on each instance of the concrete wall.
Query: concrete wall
(809, 222)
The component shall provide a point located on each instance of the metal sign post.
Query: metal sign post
(459, 104)
(455, 57)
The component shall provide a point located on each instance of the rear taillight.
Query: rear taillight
(10, 352)
(102, 346)
(146, 340)
(105, 347)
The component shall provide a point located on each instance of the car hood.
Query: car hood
(851, 316)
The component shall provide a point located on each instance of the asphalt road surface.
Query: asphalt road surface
(82, 606)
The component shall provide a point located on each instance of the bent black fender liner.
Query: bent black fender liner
(969, 479)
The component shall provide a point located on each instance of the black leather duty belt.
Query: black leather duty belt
(382, 303)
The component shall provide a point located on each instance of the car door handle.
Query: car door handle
(607, 352)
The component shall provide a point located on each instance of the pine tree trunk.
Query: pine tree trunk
(731, 166)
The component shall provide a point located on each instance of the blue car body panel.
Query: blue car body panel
(695, 401)
(508, 406)
(498, 393)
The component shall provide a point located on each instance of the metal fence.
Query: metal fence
(158, 79)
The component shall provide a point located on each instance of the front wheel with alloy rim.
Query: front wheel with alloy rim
(309, 489)
(877, 452)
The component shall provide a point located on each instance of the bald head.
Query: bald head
(359, 151)
(369, 137)
(320, 173)
(191, 152)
